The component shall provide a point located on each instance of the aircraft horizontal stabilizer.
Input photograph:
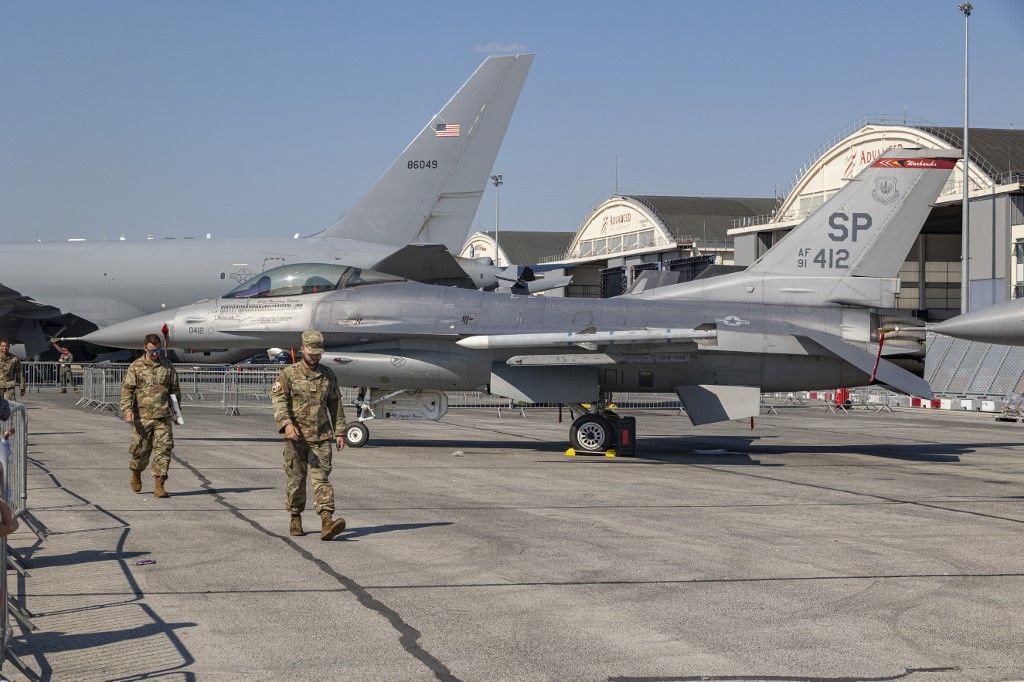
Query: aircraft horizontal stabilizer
(892, 375)
(535, 286)
(710, 404)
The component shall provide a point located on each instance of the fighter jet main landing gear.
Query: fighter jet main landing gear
(592, 433)
(600, 430)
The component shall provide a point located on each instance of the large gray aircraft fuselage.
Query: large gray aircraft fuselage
(107, 282)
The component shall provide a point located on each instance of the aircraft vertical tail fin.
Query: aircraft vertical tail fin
(867, 228)
(431, 192)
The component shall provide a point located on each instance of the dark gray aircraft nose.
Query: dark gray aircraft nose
(1002, 324)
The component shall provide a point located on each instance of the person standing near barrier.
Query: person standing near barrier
(146, 394)
(12, 374)
(308, 411)
(66, 358)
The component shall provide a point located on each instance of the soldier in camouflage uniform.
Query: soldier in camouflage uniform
(308, 411)
(65, 369)
(12, 374)
(146, 404)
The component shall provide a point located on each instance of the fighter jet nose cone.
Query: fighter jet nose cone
(130, 333)
(1000, 324)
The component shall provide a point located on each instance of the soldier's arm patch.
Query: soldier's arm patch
(277, 387)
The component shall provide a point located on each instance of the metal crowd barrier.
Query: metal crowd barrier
(101, 386)
(14, 488)
(234, 387)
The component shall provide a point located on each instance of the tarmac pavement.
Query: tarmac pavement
(813, 547)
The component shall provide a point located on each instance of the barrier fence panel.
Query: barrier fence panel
(245, 387)
(41, 375)
(15, 473)
(5, 626)
(14, 432)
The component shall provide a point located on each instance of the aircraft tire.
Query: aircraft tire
(592, 433)
(356, 435)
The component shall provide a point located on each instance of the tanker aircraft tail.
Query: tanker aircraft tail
(431, 192)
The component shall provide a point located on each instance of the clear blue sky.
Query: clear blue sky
(258, 118)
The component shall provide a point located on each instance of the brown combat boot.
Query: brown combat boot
(158, 486)
(136, 481)
(329, 528)
(296, 526)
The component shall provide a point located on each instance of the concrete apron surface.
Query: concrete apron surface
(813, 547)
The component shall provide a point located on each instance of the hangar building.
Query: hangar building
(931, 275)
(626, 235)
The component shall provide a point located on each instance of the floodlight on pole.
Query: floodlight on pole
(965, 221)
(497, 181)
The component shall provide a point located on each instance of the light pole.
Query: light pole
(496, 179)
(965, 240)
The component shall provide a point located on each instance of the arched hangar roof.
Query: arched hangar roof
(996, 158)
(521, 247)
(700, 216)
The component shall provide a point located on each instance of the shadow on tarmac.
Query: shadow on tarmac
(741, 450)
(234, 439)
(83, 556)
(216, 491)
(354, 533)
(56, 641)
(511, 442)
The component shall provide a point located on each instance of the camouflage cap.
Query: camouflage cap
(312, 341)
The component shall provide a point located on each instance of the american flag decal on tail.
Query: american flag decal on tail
(446, 130)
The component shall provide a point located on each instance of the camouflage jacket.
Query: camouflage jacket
(309, 399)
(147, 388)
(11, 372)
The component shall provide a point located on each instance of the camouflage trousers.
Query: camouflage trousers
(300, 456)
(152, 436)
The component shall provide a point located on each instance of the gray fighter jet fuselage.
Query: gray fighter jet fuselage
(807, 314)
(412, 335)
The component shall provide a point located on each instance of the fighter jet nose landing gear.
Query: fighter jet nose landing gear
(356, 434)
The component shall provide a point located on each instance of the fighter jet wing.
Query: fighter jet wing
(887, 373)
(16, 304)
(30, 323)
(425, 263)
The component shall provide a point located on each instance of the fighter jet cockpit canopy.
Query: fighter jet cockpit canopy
(307, 278)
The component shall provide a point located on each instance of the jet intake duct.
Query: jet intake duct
(406, 369)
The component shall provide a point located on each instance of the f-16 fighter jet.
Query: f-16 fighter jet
(806, 315)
